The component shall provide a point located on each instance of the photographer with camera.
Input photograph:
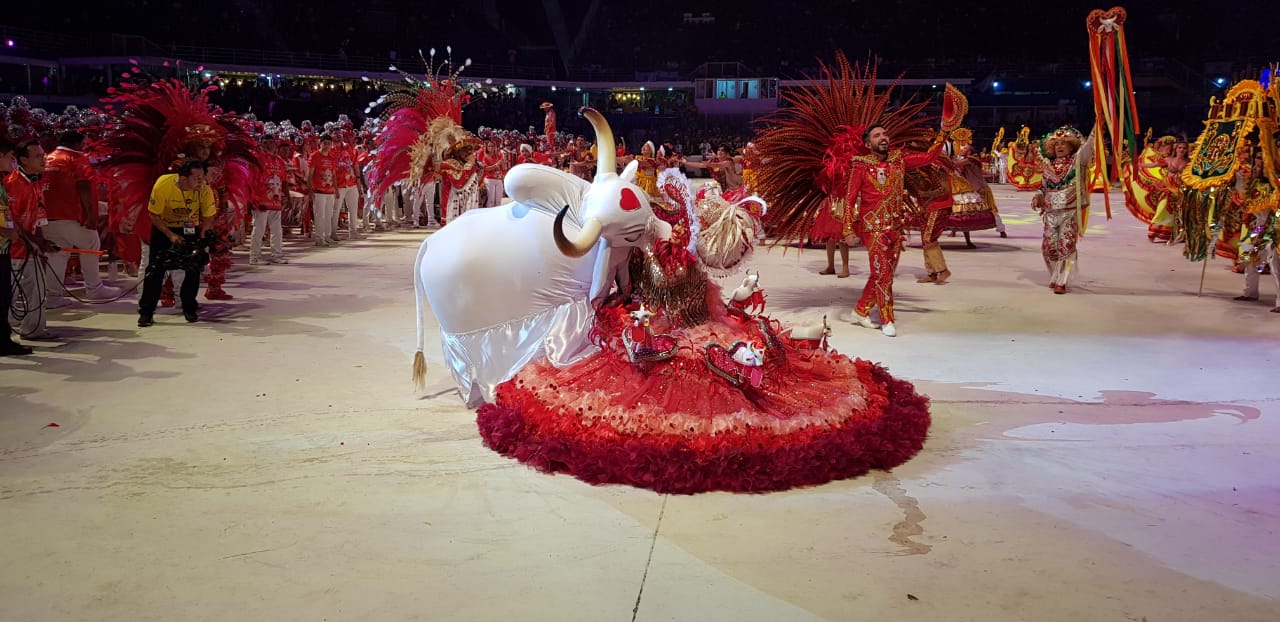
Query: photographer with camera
(182, 209)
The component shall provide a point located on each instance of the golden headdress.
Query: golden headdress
(421, 124)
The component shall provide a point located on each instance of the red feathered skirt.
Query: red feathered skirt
(679, 426)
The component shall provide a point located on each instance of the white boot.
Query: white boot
(102, 292)
(863, 321)
(888, 330)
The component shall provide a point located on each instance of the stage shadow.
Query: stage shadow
(817, 299)
(92, 355)
(286, 316)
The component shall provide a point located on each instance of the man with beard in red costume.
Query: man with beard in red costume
(874, 203)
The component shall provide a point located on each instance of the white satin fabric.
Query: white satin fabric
(502, 293)
(481, 360)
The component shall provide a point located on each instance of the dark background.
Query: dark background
(774, 36)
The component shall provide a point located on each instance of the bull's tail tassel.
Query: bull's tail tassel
(419, 371)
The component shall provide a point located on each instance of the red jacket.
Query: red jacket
(26, 206)
(63, 169)
(876, 187)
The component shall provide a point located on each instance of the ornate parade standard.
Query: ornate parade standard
(1113, 100)
(1023, 165)
(595, 344)
(1245, 119)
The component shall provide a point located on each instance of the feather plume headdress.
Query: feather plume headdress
(153, 123)
(421, 123)
(806, 148)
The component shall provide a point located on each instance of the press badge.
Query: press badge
(188, 228)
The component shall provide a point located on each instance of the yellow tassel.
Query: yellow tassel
(419, 371)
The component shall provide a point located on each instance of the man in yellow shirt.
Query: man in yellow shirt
(182, 208)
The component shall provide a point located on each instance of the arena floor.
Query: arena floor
(1110, 454)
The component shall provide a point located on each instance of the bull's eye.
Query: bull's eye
(630, 202)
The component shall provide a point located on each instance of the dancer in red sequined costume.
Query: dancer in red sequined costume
(838, 143)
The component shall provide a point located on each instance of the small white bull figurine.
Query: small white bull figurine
(641, 332)
(747, 354)
(812, 336)
(750, 359)
(748, 297)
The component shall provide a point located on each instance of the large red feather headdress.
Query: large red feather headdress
(806, 148)
(155, 122)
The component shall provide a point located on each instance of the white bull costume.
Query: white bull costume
(516, 282)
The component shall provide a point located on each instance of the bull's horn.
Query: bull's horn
(606, 155)
(587, 237)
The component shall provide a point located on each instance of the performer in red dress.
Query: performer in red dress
(685, 394)
(494, 163)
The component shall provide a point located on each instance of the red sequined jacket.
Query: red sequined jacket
(875, 195)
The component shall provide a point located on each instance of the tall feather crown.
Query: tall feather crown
(421, 122)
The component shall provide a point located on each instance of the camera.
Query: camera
(191, 255)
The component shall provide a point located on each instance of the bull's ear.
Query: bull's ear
(629, 173)
(546, 189)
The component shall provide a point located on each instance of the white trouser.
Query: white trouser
(71, 234)
(322, 217)
(263, 220)
(999, 223)
(1266, 257)
(495, 190)
(424, 197)
(28, 297)
(369, 214)
(391, 206)
(348, 198)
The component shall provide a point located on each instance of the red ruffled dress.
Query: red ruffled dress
(670, 409)
(826, 226)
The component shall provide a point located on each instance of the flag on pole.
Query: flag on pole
(1113, 95)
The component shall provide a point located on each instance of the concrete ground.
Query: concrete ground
(1110, 454)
